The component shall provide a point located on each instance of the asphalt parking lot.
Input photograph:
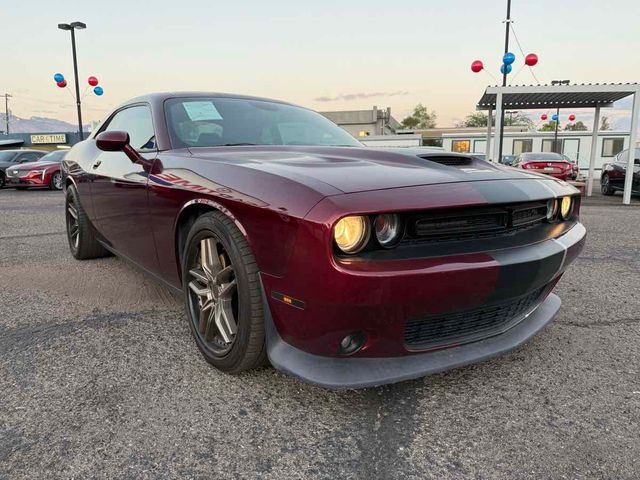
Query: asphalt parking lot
(99, 378)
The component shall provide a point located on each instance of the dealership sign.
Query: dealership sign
(49, 138)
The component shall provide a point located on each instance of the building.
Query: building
(574, 144)
(429, 137)
(40, 141)
(364, 123)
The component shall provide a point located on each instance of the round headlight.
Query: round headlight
(552, 210)
(351, 234)
(566, 206)
(388, 229)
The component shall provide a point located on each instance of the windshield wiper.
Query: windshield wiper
(240, 144)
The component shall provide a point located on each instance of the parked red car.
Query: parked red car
(548, 163)
(45, 173)
(344, 266)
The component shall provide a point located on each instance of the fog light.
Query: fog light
(352, 343)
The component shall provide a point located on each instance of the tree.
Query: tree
(479, 119)
(420, 118)
(548, 127)
(578, 126)
(604, 123)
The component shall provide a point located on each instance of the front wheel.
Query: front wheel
(82, 240)
(223, 295)
(605, 186)
(56, 181)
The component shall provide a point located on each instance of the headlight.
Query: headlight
(35, 172)
(566, 207)
(388, 229)
(351, 234)
(552, 210)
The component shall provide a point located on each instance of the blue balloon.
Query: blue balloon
(58, 77)
(554, 117)
(502, 67)
(508, 58)
(98, 90)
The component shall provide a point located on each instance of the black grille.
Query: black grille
(474, 223)
(470, 325)
(449, 161)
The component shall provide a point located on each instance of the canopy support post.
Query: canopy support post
(633, 135)
(488, 148)
(594, 146)
(497, 138)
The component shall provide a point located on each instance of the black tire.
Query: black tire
(80, 233)
(605, 185)
(247, 350)
(56, 181)
(2, 180)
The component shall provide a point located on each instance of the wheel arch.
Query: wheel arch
(188, 215)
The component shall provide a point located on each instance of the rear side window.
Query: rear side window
(136, 121)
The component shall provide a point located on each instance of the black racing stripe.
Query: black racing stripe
(526, 269)
(517, 191)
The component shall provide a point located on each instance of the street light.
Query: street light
(72, 28)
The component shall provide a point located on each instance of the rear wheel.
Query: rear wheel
(2, 180)
(56, 181)
(222, 295)
(80, 234)
(605, 185)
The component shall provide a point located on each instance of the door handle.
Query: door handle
(97, 164)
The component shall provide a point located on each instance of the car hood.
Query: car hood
(356, 169)
(32, 165)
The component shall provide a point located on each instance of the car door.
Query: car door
(119, 188)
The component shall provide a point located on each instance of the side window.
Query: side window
(26, 157)
(136, 121)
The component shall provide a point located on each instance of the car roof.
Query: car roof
(159, 97)
(23, 150)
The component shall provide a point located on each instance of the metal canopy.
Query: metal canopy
(11, 142)
(525, 97)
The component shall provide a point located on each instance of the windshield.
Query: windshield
(542, 156)
(212, 122)
(56, 156)
(6, 156)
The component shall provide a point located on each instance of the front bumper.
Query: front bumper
(337, 373)
(310, 352)
(26, 182)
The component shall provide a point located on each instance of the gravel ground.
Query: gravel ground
(99, 378)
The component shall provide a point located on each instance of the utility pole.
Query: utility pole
(504, 74)
(6, 112)
(556, 147)
(72, 28)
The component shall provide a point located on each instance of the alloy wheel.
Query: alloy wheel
(213, 292)
(73, 227)
(57, 181)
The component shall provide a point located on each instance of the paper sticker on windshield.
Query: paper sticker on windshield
(202, 111)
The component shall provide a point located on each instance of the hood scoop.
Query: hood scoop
(449, 161)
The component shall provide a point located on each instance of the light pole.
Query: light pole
(504, 75)
(72, 28)
(6, 112)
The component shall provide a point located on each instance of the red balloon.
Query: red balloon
(531, 59)
(572, 117)
(62, 84)
(93, 81)
(543, 116)
(476, 66)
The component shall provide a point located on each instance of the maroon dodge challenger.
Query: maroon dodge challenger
(342, 265)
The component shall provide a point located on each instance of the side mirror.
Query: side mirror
(117, 141)
(112, 141)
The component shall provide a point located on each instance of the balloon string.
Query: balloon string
(85, 92)
(491, 75)
(534, 75)
(68, 90)
(516, 74)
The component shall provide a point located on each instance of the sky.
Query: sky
(325, 55)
